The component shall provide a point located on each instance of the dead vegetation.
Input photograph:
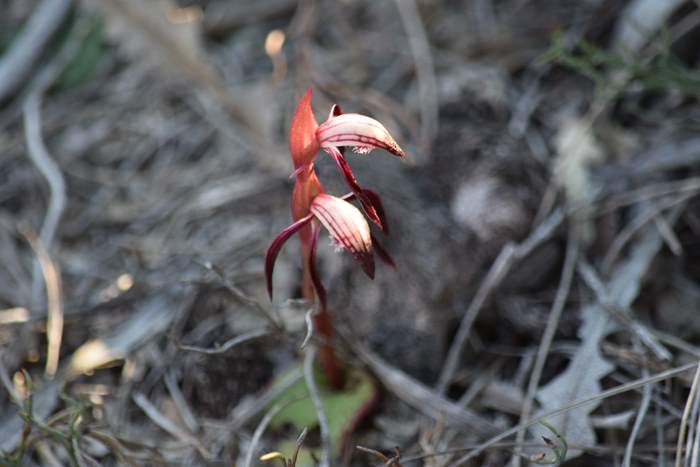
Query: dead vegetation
(545, 304)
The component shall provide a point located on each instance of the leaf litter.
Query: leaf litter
(171, 138)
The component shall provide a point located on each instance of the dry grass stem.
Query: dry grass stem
(229, 344)
(260, 429)
(309, 358)
(510, 254)
(168, 425)
(425, 73)
(423, 398)
(647, 392)
(16, 65)
(556, 310)
(662, 376)
(692, 395)
(54, 323)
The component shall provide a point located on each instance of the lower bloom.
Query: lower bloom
(348, 229)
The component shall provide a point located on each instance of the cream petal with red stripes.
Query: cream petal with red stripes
(348, 228)
(358, 131)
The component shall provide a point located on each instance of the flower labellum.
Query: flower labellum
(357, 131)
(348, 228)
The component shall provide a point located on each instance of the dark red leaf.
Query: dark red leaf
(274, 248)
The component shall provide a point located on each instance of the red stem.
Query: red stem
(332, 368)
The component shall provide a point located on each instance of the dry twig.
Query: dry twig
(641, 413)
(229, 344)
(421, 397)
(686, 414)
(168, 425)
(16, 64)
(425, 73)
(664, 375)
(318, 405)
(510, 254)
(562, 294)
(54, 325)
(260, 429)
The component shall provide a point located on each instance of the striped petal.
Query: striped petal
(347, 227)
(382, 253)
(358, 131)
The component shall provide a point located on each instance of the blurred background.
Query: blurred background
(544, 227)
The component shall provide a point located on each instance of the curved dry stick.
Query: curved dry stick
(643, 408)
(308, 318)
(425, 71)
(695, 454)
(664, 375)
(509, 255)
(16, 65)
(54, 302)
(229, 344)
(43, 161)
(562, 294)
(686, 413)
(41, 158)
(262, 426)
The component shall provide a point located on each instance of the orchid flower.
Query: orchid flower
(312, 207)
(359, 132)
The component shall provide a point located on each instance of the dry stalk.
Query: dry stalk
(54, 325)
(686, 414)
(318, 405)
(510, 254)
(425, 72)
(641, 413)
(16, 64)
(229, 344)
(260, 429)
(168, 425)
(556, 310)
(632, 385)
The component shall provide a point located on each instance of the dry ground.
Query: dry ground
(545, 228)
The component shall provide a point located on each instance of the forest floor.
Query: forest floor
(544, 307)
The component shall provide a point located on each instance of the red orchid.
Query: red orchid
(312, 207)
(359, 132)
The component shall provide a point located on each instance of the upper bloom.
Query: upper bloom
(360, 132)
(348, 229)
